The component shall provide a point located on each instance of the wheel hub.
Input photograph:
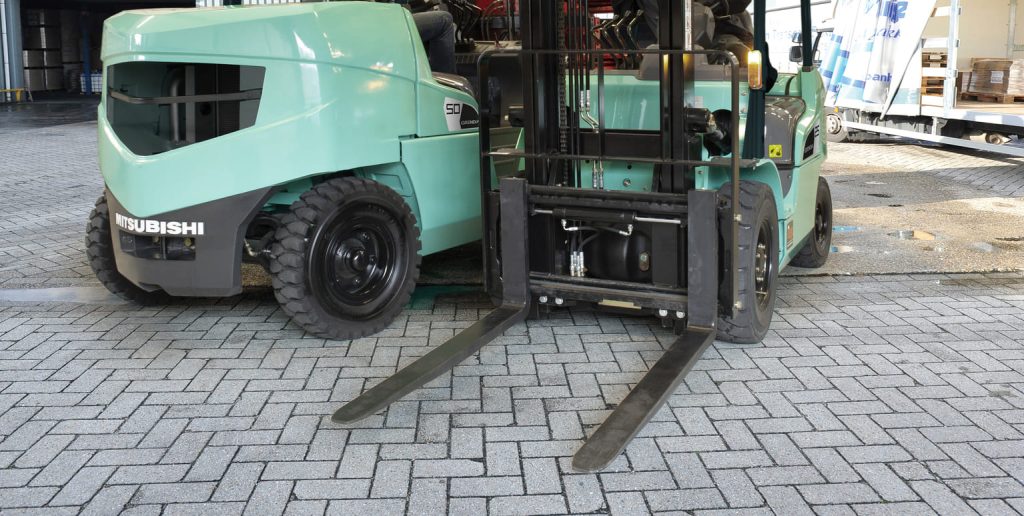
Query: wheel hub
(359, 253)
(763, 266)
(821, 224)
(358, 260)
(760, 268)
(833, 123)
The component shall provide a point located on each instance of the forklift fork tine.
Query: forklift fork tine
(433, 364)
(643, 401)
(514, 309)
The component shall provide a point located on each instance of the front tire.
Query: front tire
(99, 249)
(758, 263)
(815, 251)
(345, 259)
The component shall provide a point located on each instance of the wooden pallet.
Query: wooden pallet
(933, 59)
(932, 90)
(992, 97)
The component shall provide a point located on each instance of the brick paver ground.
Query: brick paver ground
(895, 395)
(871, 395)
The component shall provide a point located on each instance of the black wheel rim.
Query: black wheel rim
(356, 262)
(764, 265)
(822, 224)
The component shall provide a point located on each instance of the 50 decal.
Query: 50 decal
(460, 115)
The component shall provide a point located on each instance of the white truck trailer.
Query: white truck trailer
(929, 105)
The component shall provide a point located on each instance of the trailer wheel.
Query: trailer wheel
(99, 249)
(346, 258)
(815, 251)
(758, 262)
(835, 129)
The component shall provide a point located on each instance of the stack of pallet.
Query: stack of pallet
(933, 71)
(42, 54)
(996, 80)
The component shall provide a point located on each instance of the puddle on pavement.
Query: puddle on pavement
(842, 249)
(912, 234)
(86, 295)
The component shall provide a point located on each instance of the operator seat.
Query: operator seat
(457, 82)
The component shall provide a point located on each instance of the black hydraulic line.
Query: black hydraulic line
(600, 106)
(616, 38)
(572, 112)
(486, 163)
(630, 31)
(650, 393)
(621, 31)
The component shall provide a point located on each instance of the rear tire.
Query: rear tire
(758, 263)
(815, 251)
(345, 260)
(99, 249)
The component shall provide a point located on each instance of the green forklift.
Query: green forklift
(676, 183)
(312, 139)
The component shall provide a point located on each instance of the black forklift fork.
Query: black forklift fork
(676, 207)
(650, 393)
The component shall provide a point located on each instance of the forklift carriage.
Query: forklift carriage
(646, 189)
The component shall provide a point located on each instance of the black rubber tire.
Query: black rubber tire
(760, 218)
(835, 129)
(99, 249)
(814, 252)
(323, 302)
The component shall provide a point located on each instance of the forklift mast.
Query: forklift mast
(562, 82)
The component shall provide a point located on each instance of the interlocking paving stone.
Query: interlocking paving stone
(871, 395)
(732, 437)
